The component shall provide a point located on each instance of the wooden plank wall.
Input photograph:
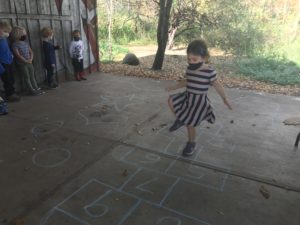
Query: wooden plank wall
(63, 16)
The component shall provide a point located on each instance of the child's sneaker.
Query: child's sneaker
(35, 93)
(189, 149)
(176, 125)
(3, 107)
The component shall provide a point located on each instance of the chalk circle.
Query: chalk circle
(46, 128)
(52, 157)
(151, 158)
(168, 220)
(96, 210)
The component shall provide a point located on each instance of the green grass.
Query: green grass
(144, 41)
(118, 52)
(272, 70)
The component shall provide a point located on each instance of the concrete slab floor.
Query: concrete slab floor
(99, 152)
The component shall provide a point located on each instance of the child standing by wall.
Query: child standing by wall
(49, 54)
(6, 59)
(76, 53)
(193, 106)
(24, 56)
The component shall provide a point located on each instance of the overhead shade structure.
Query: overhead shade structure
(63, 16)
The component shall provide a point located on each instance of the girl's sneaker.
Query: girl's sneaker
(176, 125)
(189, 149)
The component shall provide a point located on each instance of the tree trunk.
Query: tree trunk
(162, 32)
(110, 26)
(172, 33)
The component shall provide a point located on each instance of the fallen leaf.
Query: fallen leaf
(174, 66)
(265, 192)
(125, 173)
(220, 212)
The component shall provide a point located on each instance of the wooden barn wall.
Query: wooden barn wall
(63, 16)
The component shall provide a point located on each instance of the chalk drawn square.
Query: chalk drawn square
(208, 178)
(96, 203)
(57, 216)
(150, 186)
(148, 160)
(147, 214)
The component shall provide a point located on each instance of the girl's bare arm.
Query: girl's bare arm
(31, 54)
(220, 90)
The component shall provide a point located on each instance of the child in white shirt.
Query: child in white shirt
(76, 53)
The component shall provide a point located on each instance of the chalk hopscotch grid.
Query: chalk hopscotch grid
(126, 215)
(171, 165)
(139, 199)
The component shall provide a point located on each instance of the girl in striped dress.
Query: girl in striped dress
(192, 106)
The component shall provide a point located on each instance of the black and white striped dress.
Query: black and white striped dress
(193, 106)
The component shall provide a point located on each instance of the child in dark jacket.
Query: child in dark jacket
(6, 59)
(49, 54)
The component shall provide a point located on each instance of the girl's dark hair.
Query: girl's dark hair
(198, 47)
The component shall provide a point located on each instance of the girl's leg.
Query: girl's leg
(32, 77)
(25, 72)
(81, 70)
(191, 133)
(177, 124)
(190, 145)
(170, 103)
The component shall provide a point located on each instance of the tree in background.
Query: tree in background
(162, 32)
(187, 15)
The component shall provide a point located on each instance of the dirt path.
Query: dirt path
(143, 51)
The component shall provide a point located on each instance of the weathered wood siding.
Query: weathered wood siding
(63, 16)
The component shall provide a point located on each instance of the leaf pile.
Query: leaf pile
(174, 68)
